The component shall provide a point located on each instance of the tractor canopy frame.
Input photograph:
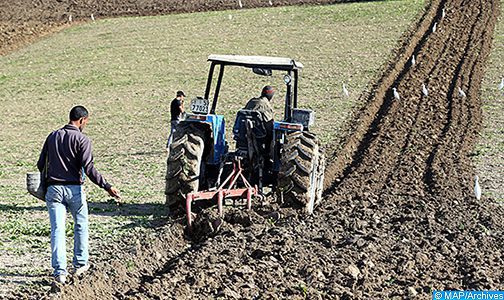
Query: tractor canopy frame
(256, 62)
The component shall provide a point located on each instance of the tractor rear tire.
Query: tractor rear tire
(184, 164)
(320, 177)
(301, 173)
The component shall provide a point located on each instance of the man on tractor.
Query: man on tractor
(263, 105)
(282, 155)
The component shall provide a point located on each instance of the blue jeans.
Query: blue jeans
(173, 128)
(59, 199)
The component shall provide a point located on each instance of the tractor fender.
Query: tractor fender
(216, 127)
(287, 126)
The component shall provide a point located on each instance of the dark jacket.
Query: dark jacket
(69, 157)
(263, 105)
(175, 109)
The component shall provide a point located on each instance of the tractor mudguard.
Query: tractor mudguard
(217, 126)
(286, 126)
(301, 120)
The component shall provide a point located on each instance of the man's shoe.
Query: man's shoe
(81, 270)
(60, 278)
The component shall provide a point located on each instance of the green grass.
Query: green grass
(16, 227)
(126, 71)
(489, 153)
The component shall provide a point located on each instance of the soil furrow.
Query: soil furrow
(400, 219)
(393, 241)
(421, 133)
(432, 173)
(350, 148)
(428, 135)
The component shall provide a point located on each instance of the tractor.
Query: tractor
(200, 161)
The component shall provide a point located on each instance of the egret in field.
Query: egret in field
(443, 13)
(92, 17)
(270, 3)
(501, 85)
(396, 94)
(240, 4)
(413, 60)
(434, 27)
(461, 93)
(70, 18)
(424, 90)
(230, 17)
(345, 91)
(477, 188)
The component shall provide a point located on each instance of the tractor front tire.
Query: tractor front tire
(184, 164)
(301, 173)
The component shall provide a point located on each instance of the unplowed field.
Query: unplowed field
(399, 216)
(22, 22)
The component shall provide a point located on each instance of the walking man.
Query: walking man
(176, 112)
(66, 159)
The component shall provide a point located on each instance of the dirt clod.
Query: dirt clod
(389, 221)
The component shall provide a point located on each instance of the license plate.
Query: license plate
(199, 106)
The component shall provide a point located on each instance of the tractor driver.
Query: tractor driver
(263, 105)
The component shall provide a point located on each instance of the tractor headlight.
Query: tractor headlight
(287, 79)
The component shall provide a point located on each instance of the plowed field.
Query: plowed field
(399, 217)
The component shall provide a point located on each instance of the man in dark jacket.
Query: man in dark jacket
(66, 159)
(176, 114)
(263, 105)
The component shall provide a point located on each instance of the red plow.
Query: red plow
(227, 190)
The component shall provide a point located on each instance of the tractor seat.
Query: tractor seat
(240, 128)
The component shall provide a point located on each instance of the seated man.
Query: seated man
(263, 105)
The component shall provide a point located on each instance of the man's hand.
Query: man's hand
(113, 192)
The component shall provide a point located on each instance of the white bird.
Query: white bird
(240, 4)
(270, 3)
(501, 85)
(413, 60)
(443, 13)
(477, 188)
(230, 17)
(434, 27)
(461, 93)
(424, 90)
(92, 17)
(396, 94)
(70, 18)
(345, 91)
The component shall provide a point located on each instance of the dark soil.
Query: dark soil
(399, 217)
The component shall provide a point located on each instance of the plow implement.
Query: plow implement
(227, 190)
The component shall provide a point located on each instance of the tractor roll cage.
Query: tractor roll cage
(263, 62)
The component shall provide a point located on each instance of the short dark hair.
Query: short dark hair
(78, 112)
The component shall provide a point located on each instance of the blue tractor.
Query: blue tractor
(289, 163)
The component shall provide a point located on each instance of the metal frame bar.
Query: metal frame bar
(209, 81)
(217, 89)
(222, 193)
(295, 89)
(291, 100)
(288, 100)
